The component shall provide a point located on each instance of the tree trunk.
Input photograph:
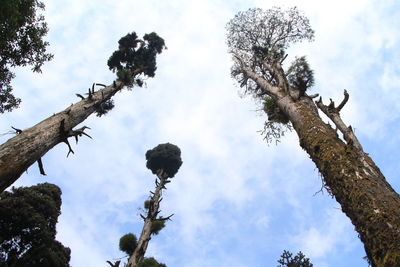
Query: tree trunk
(353, 179)
(21, 151)
(138, 255)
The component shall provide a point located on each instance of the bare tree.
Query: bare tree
(135, 59)
(258, 40)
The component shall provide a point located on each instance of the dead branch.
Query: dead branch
(40, 164)
(165, 218)
(346, 98)
(17, 131)
(116, 264)
(333, 113)
(313, 96)
(80, 96)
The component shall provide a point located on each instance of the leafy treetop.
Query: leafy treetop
(21, 44)
(166, 157)
(151, 262)
(300, 260)
(136, 56)
(257, 40)
(28, 217)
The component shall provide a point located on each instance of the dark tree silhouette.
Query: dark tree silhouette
(151, 262)
(20, 152)
(166, 157)
(300, 260)
(28, 217)
(257, 41)
(22, 29)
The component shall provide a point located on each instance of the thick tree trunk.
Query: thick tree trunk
(138, 255)
(353, 179)
(21, 151)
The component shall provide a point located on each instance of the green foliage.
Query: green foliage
(125, 76)
(166, 157)
(273, 112)
(299, 75)
(135, 56)
(28, 217)
(299, 260)
(156, 226)
(104, 107)
(128, 243)
(21, 44)
(151, 262)
(147, 204)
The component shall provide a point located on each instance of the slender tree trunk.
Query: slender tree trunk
(353, 179)
(21, 151)
(138, 255)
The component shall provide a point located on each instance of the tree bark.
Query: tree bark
(354, 180)
(349, 173)
(21, 151)
(138, 254)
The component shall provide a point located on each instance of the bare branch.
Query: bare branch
(17, 131)
(165, 218)
(346, 98)
(333, 114)
(40, 164)
(80, 96)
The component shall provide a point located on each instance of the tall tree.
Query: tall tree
(28, 217)
(22, 29)
(135, 59)
(257, 40)
(164, 161)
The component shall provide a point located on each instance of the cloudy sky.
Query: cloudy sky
(237, 200)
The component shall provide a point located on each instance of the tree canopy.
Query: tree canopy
(151, 262)
(257, 40)
(300, 260)
(28, 217)
(22, 29)
(135, 56)
(166, 157)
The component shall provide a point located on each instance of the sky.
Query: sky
(237, 200)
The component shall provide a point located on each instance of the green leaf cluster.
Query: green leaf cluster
(22, 30)
(28, 217)
(157, 226)
(299, 75)
(273, 112)
(136, 56)
(166, 157)
(104, 107)
(128, 243)
(300, 260)
(151, 262)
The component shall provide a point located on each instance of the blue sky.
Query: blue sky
(237, 200)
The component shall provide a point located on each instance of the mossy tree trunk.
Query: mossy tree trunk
(349, 173)
(21, 151)
(152, 213)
